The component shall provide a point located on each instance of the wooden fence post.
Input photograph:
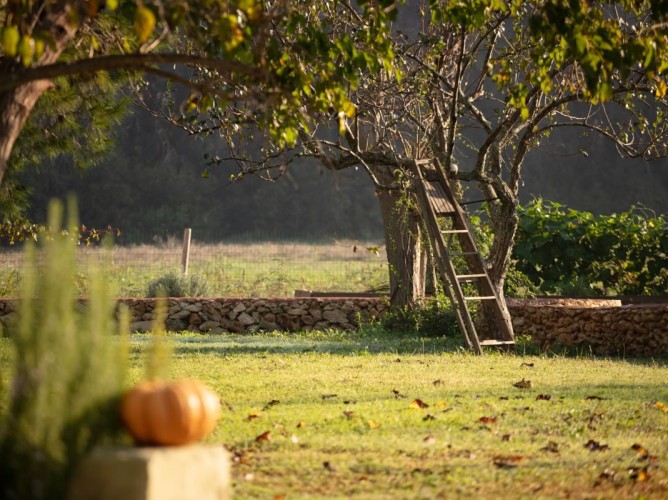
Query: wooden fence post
(185, 255)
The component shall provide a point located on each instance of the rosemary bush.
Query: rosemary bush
(68, 373)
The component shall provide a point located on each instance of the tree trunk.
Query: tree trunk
(15, 108)
(17, 104)
(504, 225)
(405, 254)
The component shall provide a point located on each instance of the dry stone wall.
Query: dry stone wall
(605, 327)
(251, 315)
(630, 330)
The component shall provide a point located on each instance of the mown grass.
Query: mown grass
(231, 269)
(343, 420)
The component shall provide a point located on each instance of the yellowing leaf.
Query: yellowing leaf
(638, 474)
(40, 45)
(442, 405)
(661, 406)
(26, 49)
(144, 23)
(342, 123)
(373, 424)
(253, 415)
(10, 40)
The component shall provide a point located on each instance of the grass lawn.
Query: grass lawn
(372, 415)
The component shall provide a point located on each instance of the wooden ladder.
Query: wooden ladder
(436, 200)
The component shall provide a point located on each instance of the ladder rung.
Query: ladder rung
(492, 342)
(465, 277)
(483, 297)
(454, 231)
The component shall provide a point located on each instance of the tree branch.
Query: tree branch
(141, 62)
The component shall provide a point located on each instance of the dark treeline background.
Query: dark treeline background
(152, 185)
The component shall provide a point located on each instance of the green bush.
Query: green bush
(565, 251)
(432, 318)
(68, 371)
(175, 284)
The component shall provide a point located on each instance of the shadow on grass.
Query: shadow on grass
(337, 343)
(354, 344)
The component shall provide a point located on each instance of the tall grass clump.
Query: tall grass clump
(175, 284)
(68, 370)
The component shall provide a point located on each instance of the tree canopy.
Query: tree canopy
(279, 55)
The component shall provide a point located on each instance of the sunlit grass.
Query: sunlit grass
(342, 424)
(232, 270)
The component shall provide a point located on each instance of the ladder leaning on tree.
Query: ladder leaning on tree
(456, 255)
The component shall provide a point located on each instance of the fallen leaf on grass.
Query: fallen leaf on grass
(301, 424)
(594, 418)
(429, 439)
(606, 475)
(592, 445)
(437, 382)
(639, 474)
(487, 420)
(328, 466)
(594, 398)
(661, 406)
(373, 424)
(505, 437)
(265, 436)
(428, 417)
(543, 397)
(240, 457)
(442, 405)
(418, 404)
(349, 402)
(642, 452)
(328, 396)
(551, 447)
(253, 415)
(294, 439)
(397, 394)
(348, 414)
(523, 384)
(508, 461)
(503, 398)
(528, 365)
(271, 403)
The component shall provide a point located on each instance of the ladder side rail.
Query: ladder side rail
(444, 263)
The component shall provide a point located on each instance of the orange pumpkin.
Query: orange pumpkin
(170, 413)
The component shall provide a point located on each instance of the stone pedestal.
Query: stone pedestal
(194, 472)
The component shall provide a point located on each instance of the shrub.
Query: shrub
(175, 284)
(68, 372)
(566, 251)
(432, 318)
